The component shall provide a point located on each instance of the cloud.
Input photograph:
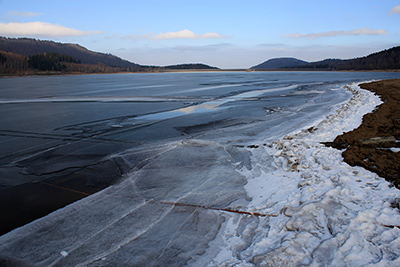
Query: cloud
(186, 34)
(24, 14)
(395, 10)
(361, 31)
(40, 29)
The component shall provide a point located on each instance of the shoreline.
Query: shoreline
(373, 145)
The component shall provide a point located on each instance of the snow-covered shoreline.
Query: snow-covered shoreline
(328, 213)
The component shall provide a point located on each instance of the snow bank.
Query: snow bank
(320, 211)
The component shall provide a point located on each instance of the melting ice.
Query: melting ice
(246, 192)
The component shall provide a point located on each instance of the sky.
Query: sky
(225, 34)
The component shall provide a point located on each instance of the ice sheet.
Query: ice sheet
(220, 199)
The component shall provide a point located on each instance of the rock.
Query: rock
(387, 141)
(396, 203)
(337, 145)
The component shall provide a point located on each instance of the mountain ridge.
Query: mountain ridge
(387, 59)
(281, 62)
(16, 57)
(29, 47)
(16, 52)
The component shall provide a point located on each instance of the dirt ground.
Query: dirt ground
(369, 145)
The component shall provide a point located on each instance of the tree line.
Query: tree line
(51, 61)
(14, 64)
(384, 60)
(28, 47)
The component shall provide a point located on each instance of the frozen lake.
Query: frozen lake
(206, 169)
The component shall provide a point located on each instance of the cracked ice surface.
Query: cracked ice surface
(131, 226)
(176, 206)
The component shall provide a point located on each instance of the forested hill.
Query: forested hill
(195, 66)
(25, 56)
(29, 47)
(384, 60)
(16, 59)
(283, 62)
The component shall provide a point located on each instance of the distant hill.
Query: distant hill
(16, 59)
(29, 47)
(328, 64)
(388, 59)
(383, 60)
(195, 66)
(26, 56)
(284, 62)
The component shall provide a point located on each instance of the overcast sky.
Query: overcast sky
(225, 34)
